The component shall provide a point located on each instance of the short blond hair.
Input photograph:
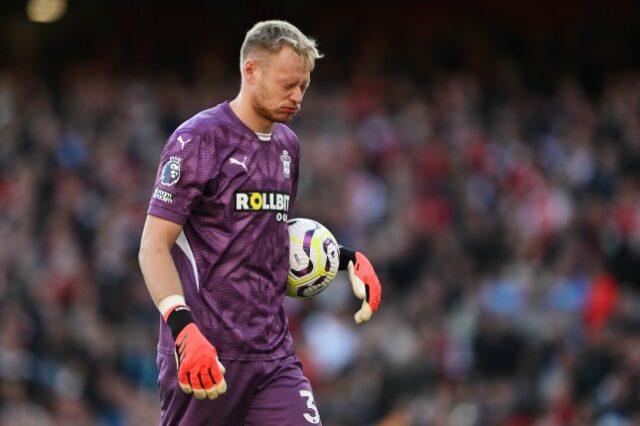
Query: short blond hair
(271, 35)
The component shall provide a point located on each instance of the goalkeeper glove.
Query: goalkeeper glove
(199, 370)
(364, 282)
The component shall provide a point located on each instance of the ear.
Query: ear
(250, 70)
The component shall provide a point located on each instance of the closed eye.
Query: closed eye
(290, 86)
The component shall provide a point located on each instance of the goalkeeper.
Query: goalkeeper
(216, 264)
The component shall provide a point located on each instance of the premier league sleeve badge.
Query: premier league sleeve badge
(171, 171)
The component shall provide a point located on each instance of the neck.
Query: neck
(241, 106)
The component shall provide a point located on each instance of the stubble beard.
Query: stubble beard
(260, 109)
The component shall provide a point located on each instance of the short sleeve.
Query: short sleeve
(186, 166)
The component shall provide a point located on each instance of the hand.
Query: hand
(366, 286)
(199, 370)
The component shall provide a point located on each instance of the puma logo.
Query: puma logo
(183, 142)
(243, 163)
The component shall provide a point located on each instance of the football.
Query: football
(314, 256)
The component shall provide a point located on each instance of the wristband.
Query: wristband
(177, 319)
(346, 255)
(168, 303)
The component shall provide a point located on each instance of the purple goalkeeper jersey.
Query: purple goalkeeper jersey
(232, 192)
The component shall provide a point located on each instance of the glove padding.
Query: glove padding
(366, 286)
(199, 370)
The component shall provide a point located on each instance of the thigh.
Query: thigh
(284, 397)
(178, 408)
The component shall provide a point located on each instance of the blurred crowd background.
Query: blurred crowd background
(485, 156)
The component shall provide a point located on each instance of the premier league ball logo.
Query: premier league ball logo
(171, 171)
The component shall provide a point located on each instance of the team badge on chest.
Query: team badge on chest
(286, 163)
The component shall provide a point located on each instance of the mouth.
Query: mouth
(289, 110)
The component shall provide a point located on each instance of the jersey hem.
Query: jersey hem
(237, 357)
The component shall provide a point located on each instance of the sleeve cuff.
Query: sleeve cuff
(346, 255)
(164, 213)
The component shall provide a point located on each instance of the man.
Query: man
(216, 271)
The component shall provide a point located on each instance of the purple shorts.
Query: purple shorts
(260, 393)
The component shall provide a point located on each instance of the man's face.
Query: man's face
(278, 85)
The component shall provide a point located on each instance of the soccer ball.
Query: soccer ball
(314, 256)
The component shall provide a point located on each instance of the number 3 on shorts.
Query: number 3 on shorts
(311, 404)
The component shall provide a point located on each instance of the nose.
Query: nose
(296, 95)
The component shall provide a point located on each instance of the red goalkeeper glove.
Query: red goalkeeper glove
(199, 370)
(364, 282)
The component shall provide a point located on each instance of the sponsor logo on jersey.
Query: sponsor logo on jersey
(164, 196)
(263, 201)
(286, 163)
(171, 171)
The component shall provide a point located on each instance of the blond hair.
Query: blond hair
(271, 35)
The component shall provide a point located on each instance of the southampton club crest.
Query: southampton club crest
(286, 163)
(171, 171)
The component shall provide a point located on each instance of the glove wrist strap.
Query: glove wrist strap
(177, 319)
(346, 255)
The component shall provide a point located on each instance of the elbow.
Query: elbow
(156, 241)
(151, 249)
(142, 253)
(145, 252)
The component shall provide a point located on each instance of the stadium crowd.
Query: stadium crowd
(503, 219)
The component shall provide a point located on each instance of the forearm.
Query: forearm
(159, 272)
(198, 368)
